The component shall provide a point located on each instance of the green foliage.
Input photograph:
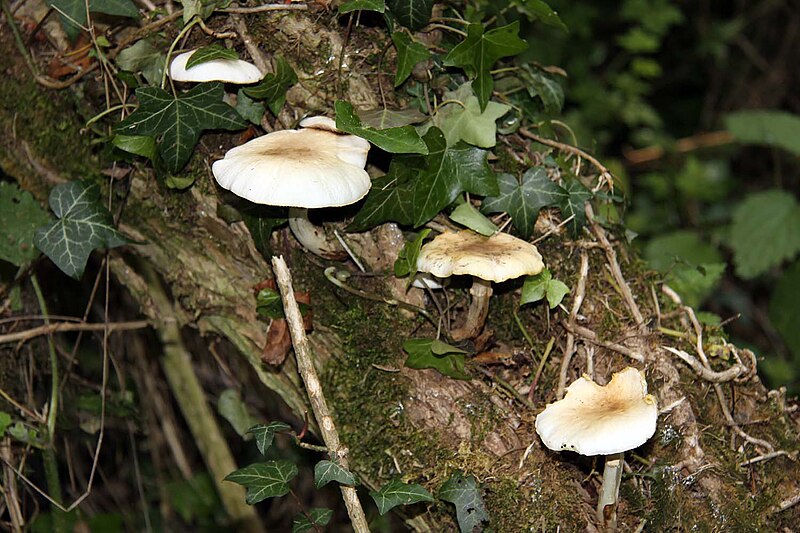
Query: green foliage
(523, 199)
(274, 85)
(269, 479)
(327, 471)
(542, 286)
(195, 498)
(5, 422)
(433, 353)
(409, 53)
(479, 52)
(234, 410)
(73, 12)
(316, 517)
(539, 10)
(406, 263)
(20, 215)
(784, 309)
(463, 119)
(397, 493)
(464, 493)
(143, 56)
(83, 225)
(466, 215)
(249, 109)
(769, 127)
(382, 119)
(265, 433)
(542, 85)
(210, 53)
(362, 5)
(765, 231)
(178, 120)
(413, 14)
(200, 8)
(142, 145)
(268, 303)
(400, 140)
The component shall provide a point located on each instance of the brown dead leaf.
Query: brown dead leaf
(494, 358)
(279, 341)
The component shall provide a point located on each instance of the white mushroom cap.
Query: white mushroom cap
(320, 123)
(597, 420)
(297, 168)
(423, 280)
(227, 70)
(497, 258)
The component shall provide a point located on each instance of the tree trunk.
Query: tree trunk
(417, 423)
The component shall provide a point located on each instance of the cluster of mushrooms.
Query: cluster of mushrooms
(319, 166)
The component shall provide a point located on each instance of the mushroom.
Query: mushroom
(497, 258)
(313, 167)
(227, 70)
(602, 420)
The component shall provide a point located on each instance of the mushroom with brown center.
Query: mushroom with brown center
(313, 167)
(227, 70)
(602, 420)
(497, 258)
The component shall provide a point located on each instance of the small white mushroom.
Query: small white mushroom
(602, 420)
(227, 70)
(497, 258)
(312, 167)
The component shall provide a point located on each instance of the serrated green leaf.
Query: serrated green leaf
(464, 493)
(665, 250)
(773, 128)
(382, 119)
(413, 14)
(5, 422)
(269, 479)
(210, 53)
(318, 517)
(397, 493)
(406, 263)
(274, 85)
(541, 286)
(572, 198)
(73, 12)
(447, 360)
(265, 434)
(409, 53)
(522, 201)
(179, 120)
(193, 498)
(765, 231)
(695, 283)
(466, 215)
(402, 140)
(784, 308)
(143, 57)
(83, 225)
(479, 51)
(231, 407)
(463, 119)
(362, 5)
(326, 471)
(539, 10)
(20, 215)
(249, 108)
(544, 86)
(142, 145)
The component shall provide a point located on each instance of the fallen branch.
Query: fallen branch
(591, 337)
(707, 374)
(569, 348)
(60, 327)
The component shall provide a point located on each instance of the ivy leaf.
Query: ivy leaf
(406, 263)
(466, 121)
(432, 353)
(179, 120)
(269, 304)
(265, 434)
(327, 471)
(546, 88)
(264, 480)
(466, 215)
(409, 53)
(397, 493)
(318, 517)
(274, 85)
(210, 53)
(765, 231)
(248, 108)
(20, 215)
(73, 12)
(362, 5)
(402, 140)
(200, 8)
(388, 199)
(524, 200)
(769, 127)
(464, 493)
(143, 57)
(413, 14)
(572, 198)
(390, 118)
(83, 225)
(539, 10)
(479, 51)
(142, 145)
(543, 285)
(231, 407)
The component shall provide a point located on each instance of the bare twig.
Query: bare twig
(729, 374)
(787, 503)
(766, 457)
(569, 348)
(263, 8)
(10, 488)
(590, 336)
(59, 327)
(322, 413)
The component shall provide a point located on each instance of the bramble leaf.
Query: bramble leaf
(402, 140)
(433, 353)
(464, 493)
(20, 215)
(784, 308)
(523, 200)
(397, 493)
(83, 225)
(179, 120)
(265, 434)
(770, 127)
(543, 285)
(409, 53)
(274, 85)
(327, 471)
(269, 479)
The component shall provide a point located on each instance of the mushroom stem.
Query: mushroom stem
(609, 492)
(481, 292)
(312, 237)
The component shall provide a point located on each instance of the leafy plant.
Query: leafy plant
(543, 286)
(433, 353)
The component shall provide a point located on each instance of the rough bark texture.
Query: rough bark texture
(418, 423)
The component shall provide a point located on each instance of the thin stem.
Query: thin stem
(609, 492)
(185, 31)
(53, 410)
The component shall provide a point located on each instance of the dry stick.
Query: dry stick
(305, 365)
(70, 326)
(591, 337)
(616, 271)
(580, 294)
(263, 8)
(10, 488)
(787, 503)
(707, 374)
(766, 457)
